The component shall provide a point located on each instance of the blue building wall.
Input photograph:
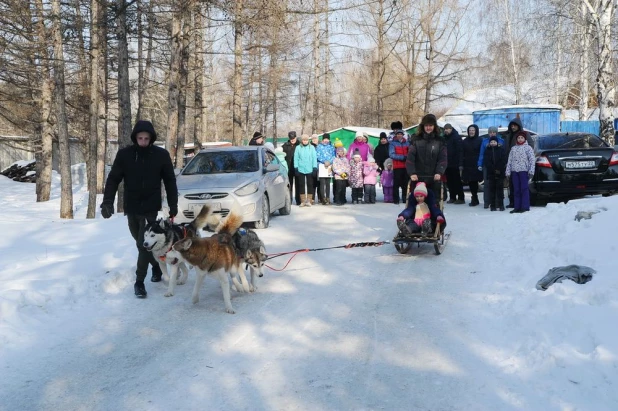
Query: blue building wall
(591, 126)
(541, 120)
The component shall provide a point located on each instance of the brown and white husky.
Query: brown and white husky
(214, 256)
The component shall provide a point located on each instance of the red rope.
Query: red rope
(291, 258)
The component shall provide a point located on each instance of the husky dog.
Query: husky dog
(213, 255)
(252, 252)
(161, 234)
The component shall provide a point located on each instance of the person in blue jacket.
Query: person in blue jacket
(325, 153)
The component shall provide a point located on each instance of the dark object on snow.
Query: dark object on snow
(578, 273)
(587, 215)
(23, 174)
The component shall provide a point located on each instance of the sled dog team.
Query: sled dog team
(222, 255)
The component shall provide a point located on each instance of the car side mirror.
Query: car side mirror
(271, 167)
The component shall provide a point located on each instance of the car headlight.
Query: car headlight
(248, 189)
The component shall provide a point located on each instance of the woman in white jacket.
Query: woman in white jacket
(521, 167)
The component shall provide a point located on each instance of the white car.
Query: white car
(250, 176)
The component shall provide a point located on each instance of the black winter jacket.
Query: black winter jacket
(471, 152)
(380, 154)
(427, 156)
(142, 169)
(289, 149)
(509, 138)
(494, 160)
(454, 148)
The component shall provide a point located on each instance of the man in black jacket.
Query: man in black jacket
(380, 153)
(142, 166)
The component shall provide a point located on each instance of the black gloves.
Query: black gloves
(173, 211)
(107, 209)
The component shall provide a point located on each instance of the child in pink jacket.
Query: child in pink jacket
(370, 179)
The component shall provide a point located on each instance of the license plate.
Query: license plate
(196, 208)
(580, 164)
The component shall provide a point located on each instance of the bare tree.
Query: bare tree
(237, 92)
(171, 141)
(601, 15)
(66, 196)
(124, 92)
(44, 130)
(93, 137)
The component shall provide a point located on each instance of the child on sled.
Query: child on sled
(422, 213)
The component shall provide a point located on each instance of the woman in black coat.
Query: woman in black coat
(471, 172)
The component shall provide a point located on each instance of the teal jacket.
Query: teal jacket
(305, 159)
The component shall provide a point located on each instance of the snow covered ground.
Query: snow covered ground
(362, 328)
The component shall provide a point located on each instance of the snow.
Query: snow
(359, 328)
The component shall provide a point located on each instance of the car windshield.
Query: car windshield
(218, 162)
(566, 141)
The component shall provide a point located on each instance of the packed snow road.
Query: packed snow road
(361, 328)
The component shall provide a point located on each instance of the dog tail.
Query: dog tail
(231, 223)
(204, 218)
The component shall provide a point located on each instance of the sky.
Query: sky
(359, 328)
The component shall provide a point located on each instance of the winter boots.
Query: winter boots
(474, 201)
(140, 290)
(309, 199)
(303, 200)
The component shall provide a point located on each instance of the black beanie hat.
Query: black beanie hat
(383, 135)
(292, 134)
(144, 125)
(326, 136)
(256, 135)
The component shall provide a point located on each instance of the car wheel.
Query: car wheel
(287, 207)
(263, 222)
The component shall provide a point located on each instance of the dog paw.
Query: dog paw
(195, 299)
(168, 294)
(230, 311)
(252, 288)
(180, 282)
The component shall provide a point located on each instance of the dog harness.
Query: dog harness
(184, 235)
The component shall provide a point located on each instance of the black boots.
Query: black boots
(140, 290)
(474, 201)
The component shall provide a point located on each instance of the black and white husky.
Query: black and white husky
(252, 251)
(160, 235)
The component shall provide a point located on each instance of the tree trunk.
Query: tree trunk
(601, 16)
(103, 108)
(45, 131)
(93, 138)
(183, 83)
(237, 98)
(380, 64)
(200, 115)
(172, 91)
(140, 62)
(515, 68)
(327, 103)
(316, 66)
(124, 92)
(66, 195)
(584, 66)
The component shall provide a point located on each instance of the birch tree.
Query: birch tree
(601, 16)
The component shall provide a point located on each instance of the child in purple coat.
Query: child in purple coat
(370, 179)
(386, 178)
(356, 177)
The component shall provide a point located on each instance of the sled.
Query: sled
(403, 242)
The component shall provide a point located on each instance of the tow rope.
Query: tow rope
(306, 250)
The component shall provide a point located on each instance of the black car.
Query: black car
(570, 165)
